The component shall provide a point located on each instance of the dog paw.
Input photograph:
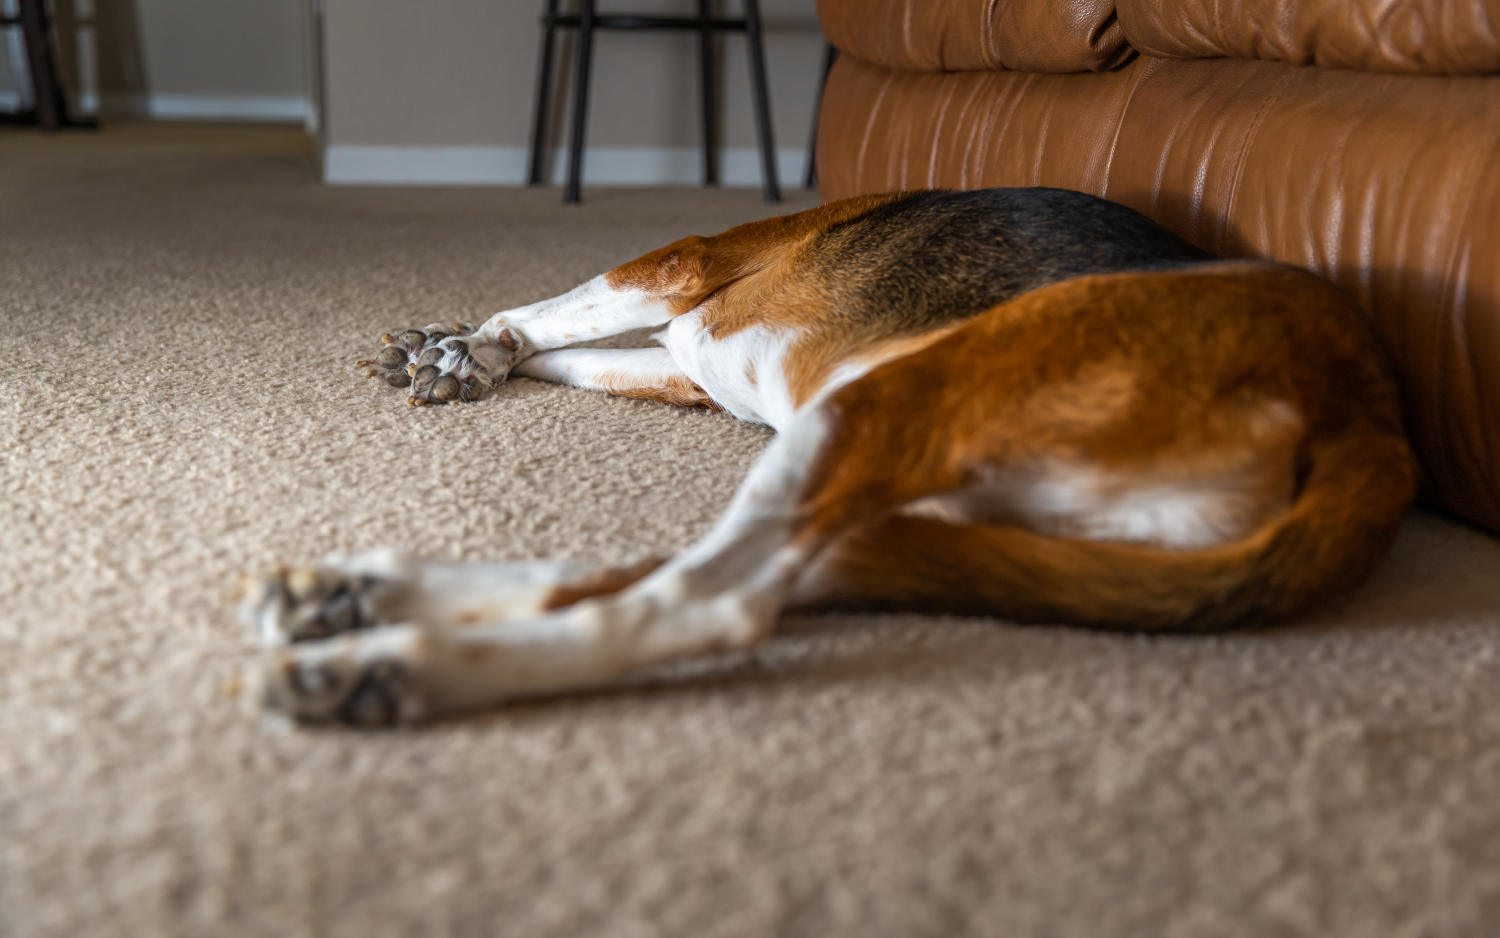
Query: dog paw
(439, 364)
(299, 604)
(366, 680)
(400, 351)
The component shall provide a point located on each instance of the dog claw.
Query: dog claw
(298, 604)
(439, 365)
(302, 583)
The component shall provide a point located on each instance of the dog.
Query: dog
(1025, 403)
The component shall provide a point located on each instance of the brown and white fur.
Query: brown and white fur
(1172, 445)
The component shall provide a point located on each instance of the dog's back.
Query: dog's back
(923, 259)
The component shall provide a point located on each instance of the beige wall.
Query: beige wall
(445, 73)
(184, 49)
(222, 47)
(462, 73)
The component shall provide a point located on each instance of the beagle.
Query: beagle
(1026, 403)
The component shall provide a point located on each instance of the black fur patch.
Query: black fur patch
(929, 258)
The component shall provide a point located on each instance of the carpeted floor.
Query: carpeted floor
(181, 307)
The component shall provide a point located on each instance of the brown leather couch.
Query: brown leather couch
(1357, 138)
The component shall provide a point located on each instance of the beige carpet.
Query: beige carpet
(180, 308)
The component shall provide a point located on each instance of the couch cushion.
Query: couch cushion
(1433, 37)
(1387, 185)
(968, 35)
(1428, 37)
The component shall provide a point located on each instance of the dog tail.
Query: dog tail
(1349, 508)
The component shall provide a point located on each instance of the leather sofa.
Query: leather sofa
(1357, 138)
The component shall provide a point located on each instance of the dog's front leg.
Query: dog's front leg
(724, 592)
(460, 363)
(642, 373)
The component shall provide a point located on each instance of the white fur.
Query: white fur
(723, 366)
(586, 368)
(592, 310)
(1081, 501)
(723, 592)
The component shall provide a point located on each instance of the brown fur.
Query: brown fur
(672, 389)
(759, 274)
(1201, 352)
(688, 271)
(1256, 370)
(599, 583)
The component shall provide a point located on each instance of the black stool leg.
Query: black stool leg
(762, 100)
(535, 175)
(810, 177)
(51, 110)
(706, 64)
(580, 99)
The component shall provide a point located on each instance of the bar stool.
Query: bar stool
(49, 109)
(586, 21)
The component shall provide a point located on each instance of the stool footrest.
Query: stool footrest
(573, 21)
(588, 22)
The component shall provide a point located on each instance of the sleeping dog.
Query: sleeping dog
(1024, 403)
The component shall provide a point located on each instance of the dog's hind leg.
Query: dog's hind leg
(819, 477)
(369, 589)
(724, 592)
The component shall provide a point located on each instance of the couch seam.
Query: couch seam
(1243, 156)
(864, 143)
(1114, 143)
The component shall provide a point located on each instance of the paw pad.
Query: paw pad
(308, 603)
(440, 363)
(333, 682)
(392, 363)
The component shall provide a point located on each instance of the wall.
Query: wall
(442, 91)
(187, 59)
(224, 55)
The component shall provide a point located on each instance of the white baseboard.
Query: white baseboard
(199, 107)
(11, 101)
(506, 166)
(208, 107)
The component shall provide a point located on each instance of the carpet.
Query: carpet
(183, 306)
